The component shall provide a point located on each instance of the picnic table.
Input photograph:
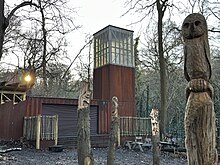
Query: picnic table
(137, 143)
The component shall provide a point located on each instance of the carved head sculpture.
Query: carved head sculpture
(194, 26)
(196, 48)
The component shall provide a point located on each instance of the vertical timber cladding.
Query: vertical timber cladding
(67, 118)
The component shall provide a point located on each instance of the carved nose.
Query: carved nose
(192, 27)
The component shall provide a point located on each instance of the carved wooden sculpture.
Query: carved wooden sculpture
(84, 152)
(114, 131)
(155, 136)
(200, 125)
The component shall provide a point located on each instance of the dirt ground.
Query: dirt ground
(69, 157)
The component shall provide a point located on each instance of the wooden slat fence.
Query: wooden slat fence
(41, 128)
(135, 126)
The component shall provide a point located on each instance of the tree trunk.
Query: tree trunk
(114, 132)
(85, 156)
(163, 69)
(200, 130)
(44, 62)
(2, 26)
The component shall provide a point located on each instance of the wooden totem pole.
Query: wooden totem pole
(155, 136)
(114, 132)
(84, 152)
(200, 127)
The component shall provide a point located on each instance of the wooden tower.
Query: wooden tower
(113, 73)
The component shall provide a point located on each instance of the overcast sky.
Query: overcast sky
(93, 15)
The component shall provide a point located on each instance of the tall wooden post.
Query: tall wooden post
(38, 132)
(114, 132)
(56, 130)
(200, 127)
(155, 136)
(84, 151)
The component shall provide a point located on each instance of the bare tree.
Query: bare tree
(50, 22)
(147, 8)
(6, 19)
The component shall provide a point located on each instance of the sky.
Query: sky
(92, 15)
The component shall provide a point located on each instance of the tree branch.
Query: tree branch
(26, 3)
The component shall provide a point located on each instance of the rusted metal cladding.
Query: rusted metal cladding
(11, 120)
(67, 118)
(12, 115)
(34, 104)
(109, 81)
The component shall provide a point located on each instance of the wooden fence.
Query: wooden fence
(41, 128)
(135, 126)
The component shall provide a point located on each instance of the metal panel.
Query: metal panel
(11, 120)
(109, 81)
(34, 104)
(67, 118)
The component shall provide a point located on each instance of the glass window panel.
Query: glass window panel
(121, 52)
(129, 47)
(129, 61)
(117, 50)
(125, 60)
(113, 43)
(101, 60)
(129, 40)
(107, 57)
(121, 59)
(113, 58)
(125, 41)
(117, 44)
(104, 60)
(97, 62)
(113, 50)
(117, 59)
(121, 45)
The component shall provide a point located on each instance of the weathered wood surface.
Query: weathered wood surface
(200, 127)
(85, 156)
(114, 132)
(155, 136)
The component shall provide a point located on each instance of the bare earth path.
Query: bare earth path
(69, 157)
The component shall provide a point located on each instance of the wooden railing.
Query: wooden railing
(41, 128)
(135, 126)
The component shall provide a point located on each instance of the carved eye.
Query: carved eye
(186, 25)
(197, 23)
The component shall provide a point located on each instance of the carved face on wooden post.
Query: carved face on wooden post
(196, 48)
(194, 26)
